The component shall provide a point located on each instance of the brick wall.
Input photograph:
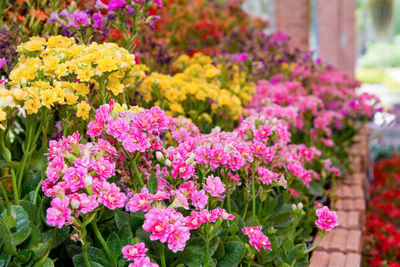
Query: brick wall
(336, 28)
(336, 32)
(293, 18)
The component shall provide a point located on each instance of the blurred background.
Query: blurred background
(361, 37)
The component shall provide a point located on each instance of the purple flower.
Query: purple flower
(79, 18)
(3, 62)
(115, 4)
(97, 20)
(240, 57)
(159, 3)
(54, 17)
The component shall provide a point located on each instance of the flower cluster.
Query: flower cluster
(257, 238)
(383, 215)
(137, 254)
(201, 92)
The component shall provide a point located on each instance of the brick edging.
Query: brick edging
(342, 247)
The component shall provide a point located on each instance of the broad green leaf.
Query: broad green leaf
(48, 263)
(4, 259)
(40, 250)
(35, 238)
(114, 243)
(152, 184)
(121, 219)
(125, 235)
(31, 210)
(79, 262)
(24, 256)
(97, 255)
(7, 239)
(10, 222)
(234, 253)
(31, 179)
(22, 230)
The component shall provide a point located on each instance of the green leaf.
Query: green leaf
(234, 253)
(152, 184)
(31, 179)
(31, 210)
(79, 261)
(35, 238)
(10, 222)
(125, 235)
(220, 252)
(10, 164)
(61, 235)
(233, 228)
(48, 263)
(22, 230)
(97, 255)
(40, 250)
(114, 243)
(24, 256)
(4, 259)
(7, 239)
(121, 219)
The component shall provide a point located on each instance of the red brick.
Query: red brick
(339, 239)
(354, 220)
(357, 191)
(319, 259)
(343, 219)
(359, 204)
(353, 260)
(354, 241)
(326, 241)
(337, 259)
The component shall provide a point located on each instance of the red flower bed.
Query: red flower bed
(382, 236)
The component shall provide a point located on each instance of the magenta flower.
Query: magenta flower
(74, 178)
(327, 219)
(97, 20)
(143, 262)
(141, 201)
(115, 4)
(3, 62)
(257, 238)
(215, 187)
(87, 203)
(177, 239)
(199, 199)
(157, 223)
(111, 196)
(59, 214)
(262, 133)
(267, 176)
(104, 168)
(134, 252)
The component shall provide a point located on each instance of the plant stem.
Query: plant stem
(228, 196)
(253, 193)
(4, 192)
(85, 256)
(162, 256)
(316, 244)
(13, 175)
(102, 242)
(136, 172)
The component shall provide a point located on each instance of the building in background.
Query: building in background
(325, 26)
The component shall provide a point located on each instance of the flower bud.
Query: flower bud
(159, 156)
(168, 163)
(88, 181)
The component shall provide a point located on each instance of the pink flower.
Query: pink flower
(83, 203)
(74, 178)
(136, 141)
(257, 238)
(182, 169)
(225, 215)
(282, 134)
(96, 127)
(267, 176)
(104, 168)
(194, 221)
(134, 252)
(157, 223)
(177, 239)
(143, 262)
(118, 128)
(141, 201)
(296, 169)
(199, 199)
(293, 192)
(327, 220)
(111, 196)
(262, 133)
(115, 4)
(59, 214)
(215, 187)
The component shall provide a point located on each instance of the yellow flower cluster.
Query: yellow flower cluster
(59, 71)
(202, 91)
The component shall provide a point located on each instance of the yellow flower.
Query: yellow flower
(177, 108)
(115, 86)
(32, 105)
(18, 94)
(106, 64)
(61, 70)
(34, 44)
(48, 98)
(83, 110)
(81, 88)
(50, 63)
(70, 98)
(85, 73)
(3, 115)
